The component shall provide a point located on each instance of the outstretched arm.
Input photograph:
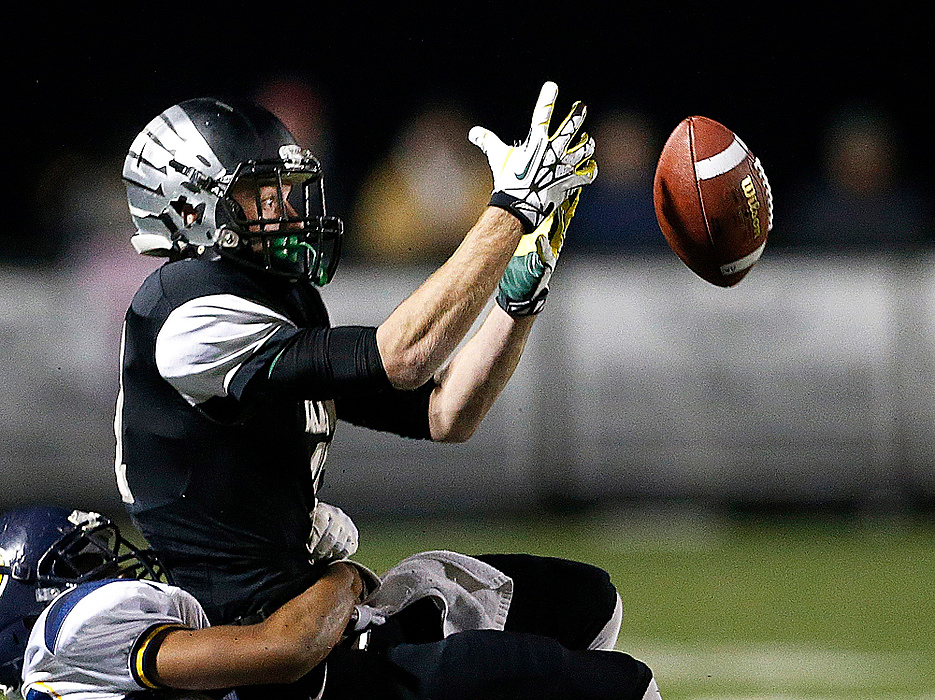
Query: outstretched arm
(473, 380)
(281, 649)
(530, 181)
(423, 331)
(470, 384)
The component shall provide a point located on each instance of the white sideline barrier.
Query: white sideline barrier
(814, 379)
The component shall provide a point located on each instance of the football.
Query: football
(712, 200)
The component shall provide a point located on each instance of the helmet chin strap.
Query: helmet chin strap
(290, 255)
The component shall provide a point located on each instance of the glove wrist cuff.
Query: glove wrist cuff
(508, 202)
(521, 309)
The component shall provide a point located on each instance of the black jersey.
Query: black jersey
(231, 384)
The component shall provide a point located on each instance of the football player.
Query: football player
(233, 378)
(102, 621)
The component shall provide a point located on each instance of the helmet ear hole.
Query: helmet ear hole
(189, 214)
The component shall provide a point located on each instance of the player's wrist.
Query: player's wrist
(366, 581)
(521, 308)
(352, 621)
(502, 219)
(508, 203)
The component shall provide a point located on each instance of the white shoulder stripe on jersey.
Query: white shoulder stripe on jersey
(120, 468)
(722, 162)
(205, 341)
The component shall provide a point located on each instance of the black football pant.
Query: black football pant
(558, 608)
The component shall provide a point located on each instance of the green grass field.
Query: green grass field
(730, 610)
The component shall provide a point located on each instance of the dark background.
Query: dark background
(87, 79)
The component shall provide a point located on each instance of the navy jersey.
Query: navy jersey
(231, 384)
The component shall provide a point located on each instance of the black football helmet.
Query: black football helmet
(183, 170)
(45, 551)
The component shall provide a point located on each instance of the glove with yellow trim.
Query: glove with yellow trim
(531, 179)
(525, 282)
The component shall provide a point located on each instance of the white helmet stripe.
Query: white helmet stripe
(153, 184)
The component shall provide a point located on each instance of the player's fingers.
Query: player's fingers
(483, 138)
(348, 546)
(477, 135)
(349, 536)
(326, 540)
(546, 254)
(542, 115)
(495, 150)
(583, 148)
(571, 124)
(566, 211)
(586, 172)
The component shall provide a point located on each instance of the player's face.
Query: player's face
(270, 206)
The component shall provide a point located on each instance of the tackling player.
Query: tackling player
(101, 621)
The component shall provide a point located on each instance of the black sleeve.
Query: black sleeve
(343, 364)
(314, 363)
(404, 413)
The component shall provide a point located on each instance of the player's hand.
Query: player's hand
(525, 283)
(333, 535)
(530, 180)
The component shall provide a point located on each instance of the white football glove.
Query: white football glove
(525, 282)
(530, 180)
(333, 535)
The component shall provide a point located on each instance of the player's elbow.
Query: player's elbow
(406, 369)
(450, 428)
(455, 436)
(407, 377)
(408, 364)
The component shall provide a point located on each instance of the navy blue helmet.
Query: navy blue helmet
(45, 551)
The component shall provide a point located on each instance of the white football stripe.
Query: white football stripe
(744, 262)
(722, 162)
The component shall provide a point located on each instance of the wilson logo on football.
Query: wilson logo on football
(753, 204)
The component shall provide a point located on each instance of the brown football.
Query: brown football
(713, 201)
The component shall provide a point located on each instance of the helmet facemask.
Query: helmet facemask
(287, 231)
(96, 550)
